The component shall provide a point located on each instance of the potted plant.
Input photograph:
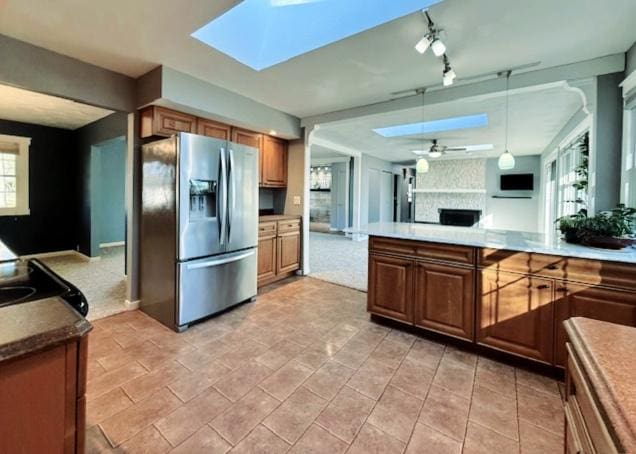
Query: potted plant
(607, 230)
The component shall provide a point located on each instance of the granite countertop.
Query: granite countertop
(492, 238)
(32, 326)
(606, 352)
(277, 217)
(6, 254)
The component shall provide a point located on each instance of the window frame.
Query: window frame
(22, 176)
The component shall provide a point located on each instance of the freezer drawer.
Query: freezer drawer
(207, 286)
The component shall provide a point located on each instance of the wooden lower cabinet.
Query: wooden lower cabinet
(444, 298)
(390, 290)
(266, 259)
(576, 300)
(515, 313)
(288, 252)
(279, 250)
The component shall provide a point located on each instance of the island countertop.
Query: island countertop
(491, 238)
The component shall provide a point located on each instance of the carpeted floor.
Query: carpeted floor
(338, 259)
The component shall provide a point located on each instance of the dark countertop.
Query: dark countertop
(32, 326)
(606, 352)
(277, 217)
(6, 254)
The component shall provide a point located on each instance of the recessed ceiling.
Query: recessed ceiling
(29, 107)
(482, 37)
(537, 115)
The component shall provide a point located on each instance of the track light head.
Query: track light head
(423, 44)
(438, 47)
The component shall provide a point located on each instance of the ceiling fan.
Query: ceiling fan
(436, 150)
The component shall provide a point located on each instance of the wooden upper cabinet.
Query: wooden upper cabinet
(391, 287)
(444, 298)
(159, 121)
(214, 129)
(515, 313)
(274, 162)
(608, 305)
(249, 138)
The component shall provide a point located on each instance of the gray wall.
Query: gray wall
(630, 63)
(110, 210)
(367, 163)
(87, 137)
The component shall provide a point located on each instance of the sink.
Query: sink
(15, 294)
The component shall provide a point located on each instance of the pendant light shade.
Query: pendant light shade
(506, 161)
(422, 166)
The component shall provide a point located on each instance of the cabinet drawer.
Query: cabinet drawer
(289, 225)
(267, 229)
(433, 251)
(581, 396)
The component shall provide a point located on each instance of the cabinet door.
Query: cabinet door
(516, 313)
(213, 129)
(251, 139)
(390, 291)
(288, 253)
(158, 121)
(608, 305)
(444, 298)
(266, 259)
(274, 158)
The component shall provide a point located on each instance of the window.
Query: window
(14, 175)
(573, 180)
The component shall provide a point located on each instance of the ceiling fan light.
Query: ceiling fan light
(438, 47)
(422, 166)
(435, 154)
(423, 44)
(506, 161)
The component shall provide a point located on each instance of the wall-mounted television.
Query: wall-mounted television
(517, 182)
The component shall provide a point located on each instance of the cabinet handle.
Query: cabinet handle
(562, 289)
(543, 287)
(553, 267)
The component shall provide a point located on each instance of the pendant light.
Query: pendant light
(507, 160)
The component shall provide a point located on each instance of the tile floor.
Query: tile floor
(102, 281)
(304, 370)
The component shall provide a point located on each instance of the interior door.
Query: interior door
(339, 195)
(242, 212)
(201, 195)
(386, 196)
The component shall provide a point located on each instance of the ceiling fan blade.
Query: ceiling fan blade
(456, 149)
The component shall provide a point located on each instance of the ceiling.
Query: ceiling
(318, 152)
(35, 108)
(537, 114)
(482, 36)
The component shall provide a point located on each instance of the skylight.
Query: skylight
(264, 33)
(428, 127)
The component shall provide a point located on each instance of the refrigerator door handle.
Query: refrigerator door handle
(232, 193)
(217, 262)
(223, 211)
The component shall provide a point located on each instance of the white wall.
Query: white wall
(369, 163)
(513, 214)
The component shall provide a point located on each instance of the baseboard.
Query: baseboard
(132, 305)
(46, 255)
(114, 244)
(86, 258)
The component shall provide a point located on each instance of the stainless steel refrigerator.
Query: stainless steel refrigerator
(199, 227)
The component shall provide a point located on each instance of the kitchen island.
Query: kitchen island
(502, 290)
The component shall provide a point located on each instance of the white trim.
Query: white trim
(450, 191)
(132, 305)
(326, 161)
(113, 244)
(22, 176)
(628, 84)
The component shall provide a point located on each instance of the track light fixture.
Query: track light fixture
(448, 76)
(431, 39)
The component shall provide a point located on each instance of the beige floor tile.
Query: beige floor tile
(496, 377)
(445, 412)
(282, 383)
(426, 439)
(535, 440)
(346, 414)
(96, 442)
(390, 353)
(495, 411)
(148, 384)
(481, 440)
(537, 382)
(279, 354)
(148, 441)
(372, 440)
(187, 419)
(113, 379)
(238, 420)
(145, 350)
(541, 409)
(329, 379)
(455, 377)
(318, 441)
(401, 337)
(125, 424)
(204, 441)
(313, 359)
(194, 383)
(94, 369)
(239, 382)
(427, 353)
(396, 413)
(371, 378)
(354, 353)
(203, 356)
(102, 347)
(295, 415)
(460, 356)
(413, 377)
(100, 408)
(261, 441)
